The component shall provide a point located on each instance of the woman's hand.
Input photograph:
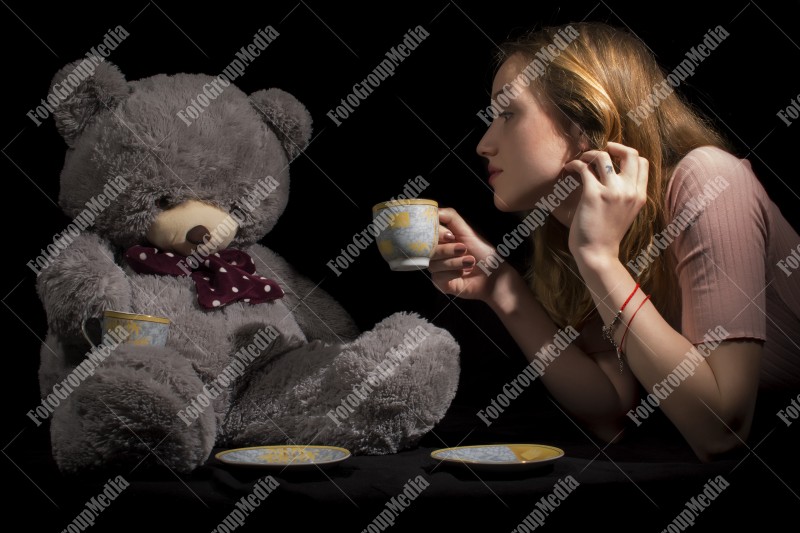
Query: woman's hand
(609, 203)
(454, 261)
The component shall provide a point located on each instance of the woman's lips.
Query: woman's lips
(493, 172)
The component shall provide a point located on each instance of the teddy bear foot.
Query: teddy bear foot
(129, 409)
(376, 395)
(407, 371)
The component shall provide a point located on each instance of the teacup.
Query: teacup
(143, 330)
(409, 231)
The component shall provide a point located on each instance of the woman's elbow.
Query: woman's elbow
(710, 448)
(609, 433)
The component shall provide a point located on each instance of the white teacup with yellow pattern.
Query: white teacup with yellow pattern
(409, 231)
(143, 330)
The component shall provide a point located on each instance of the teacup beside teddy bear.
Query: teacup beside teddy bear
(289, 353)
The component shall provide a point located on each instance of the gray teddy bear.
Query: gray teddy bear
(173, 204)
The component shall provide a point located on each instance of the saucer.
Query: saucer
(294, 457)
(500, 457)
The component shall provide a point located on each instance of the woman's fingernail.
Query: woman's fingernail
(460, 248)
(448, 236)
(467, 263)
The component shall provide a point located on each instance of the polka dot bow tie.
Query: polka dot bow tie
(220, 278)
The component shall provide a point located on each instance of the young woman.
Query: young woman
(664, 226)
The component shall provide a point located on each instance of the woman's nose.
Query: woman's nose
(485, 147)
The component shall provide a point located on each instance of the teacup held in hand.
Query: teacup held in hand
(409, 232)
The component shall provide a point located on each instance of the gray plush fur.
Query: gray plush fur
(129, 406)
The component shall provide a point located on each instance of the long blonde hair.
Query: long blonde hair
(599, 77)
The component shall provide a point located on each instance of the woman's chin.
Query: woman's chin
(503, 205)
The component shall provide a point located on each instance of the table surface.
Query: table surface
(640, 484)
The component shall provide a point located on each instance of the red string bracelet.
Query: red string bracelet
(622, 342)
(608, 331)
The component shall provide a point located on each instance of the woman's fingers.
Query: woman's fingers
(590, 183)
(447, 214)
(447, 281)
(445, 235)
(450, 218)
(631, 166)
(644, 172)
(455, 263)
(446, 251)
(601, 163)
(628, 157)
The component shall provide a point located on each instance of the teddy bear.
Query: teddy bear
(168, 203)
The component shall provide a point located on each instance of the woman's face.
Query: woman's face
(525, 148)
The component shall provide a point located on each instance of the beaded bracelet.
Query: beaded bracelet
(622, 341)
(608, 330)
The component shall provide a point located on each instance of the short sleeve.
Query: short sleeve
(717, 208)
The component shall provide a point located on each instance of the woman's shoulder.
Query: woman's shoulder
(710, 159)
(711, 170)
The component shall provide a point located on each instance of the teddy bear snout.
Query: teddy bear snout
(191, 224)
(197, 234)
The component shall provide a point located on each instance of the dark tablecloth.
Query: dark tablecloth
(639, 484)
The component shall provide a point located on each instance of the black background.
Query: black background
(422, 121)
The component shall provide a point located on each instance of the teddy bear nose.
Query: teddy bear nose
(196, 234)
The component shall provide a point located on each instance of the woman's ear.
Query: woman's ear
(577, 133)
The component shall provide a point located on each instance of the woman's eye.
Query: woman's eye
(162, 202)
(506, 114)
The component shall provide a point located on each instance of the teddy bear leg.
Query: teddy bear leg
(129, 409)
(412, 368)
(376, 395)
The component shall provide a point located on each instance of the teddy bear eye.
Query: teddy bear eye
(162, 202)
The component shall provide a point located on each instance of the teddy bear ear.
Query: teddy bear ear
(85, 90)
(288, 118)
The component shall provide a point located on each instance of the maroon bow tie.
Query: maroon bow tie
(221, 278)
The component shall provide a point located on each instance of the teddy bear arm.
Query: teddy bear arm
(319, 315)
(81, 282)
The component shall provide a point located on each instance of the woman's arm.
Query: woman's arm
(712, 408)
(590, 388)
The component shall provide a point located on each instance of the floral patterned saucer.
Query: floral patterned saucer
(500, 457)
(294, 457)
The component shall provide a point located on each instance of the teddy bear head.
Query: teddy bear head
(175, 160)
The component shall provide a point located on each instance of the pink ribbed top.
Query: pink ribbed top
(728, 261)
